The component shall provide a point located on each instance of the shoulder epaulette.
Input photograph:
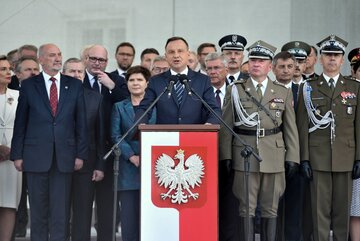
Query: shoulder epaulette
(311, 79)
(240, 81)
(279, 83)
(351, 78)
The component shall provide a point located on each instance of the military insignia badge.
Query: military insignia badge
(349, 110)
(278, 113)
(318, 111)
(273, 105)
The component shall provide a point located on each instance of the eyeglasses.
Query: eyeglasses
(215, 68)
(158, 70)
(100, 60)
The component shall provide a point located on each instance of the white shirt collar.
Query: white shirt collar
(335, 78)
(185, 71)
(264, 84)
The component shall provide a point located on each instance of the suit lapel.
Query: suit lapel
(41, 88)
(129, 111)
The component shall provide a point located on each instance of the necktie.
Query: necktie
(231, 78)
(259, 91)
(95, 85)
(332, 84)
(53, 96)
(179, 89)
(217, 97)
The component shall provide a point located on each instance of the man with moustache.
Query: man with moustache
(49, 143)
(112, 91)
(300, 50)
(232, 46)
(328, 117)
(83, 186)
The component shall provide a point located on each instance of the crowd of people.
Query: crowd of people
(59, 119)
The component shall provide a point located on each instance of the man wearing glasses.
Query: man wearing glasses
(112, 91)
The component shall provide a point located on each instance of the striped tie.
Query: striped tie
(179, 89)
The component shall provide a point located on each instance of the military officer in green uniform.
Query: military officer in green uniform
(328, 120)
(260, 111)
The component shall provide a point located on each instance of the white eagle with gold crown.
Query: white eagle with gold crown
(179, 178)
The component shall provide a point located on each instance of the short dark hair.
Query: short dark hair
(3, 57)
(22, 59)
(137, 69)
(175, 38)
(125, 44)
(283, 55)
(205, 45)
(148, 51)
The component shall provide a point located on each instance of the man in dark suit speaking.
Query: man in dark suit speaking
(49, 143)
(180, 108)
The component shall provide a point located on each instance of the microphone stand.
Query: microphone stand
(116, 150)
(245, 153)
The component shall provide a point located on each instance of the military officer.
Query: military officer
(327, 117)
(260, 111)
(232, 46)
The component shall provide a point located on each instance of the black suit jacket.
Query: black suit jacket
(38, 136)
(94, 117)
(191, 110)
(109, 98)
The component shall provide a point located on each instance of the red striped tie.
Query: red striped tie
(53, 96)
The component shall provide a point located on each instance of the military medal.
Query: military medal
(278, 113)
(344, 101)
(349, 110)
(273, 105)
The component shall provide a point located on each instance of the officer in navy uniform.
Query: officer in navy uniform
(232, 46)
(327, 119)
(261, 112)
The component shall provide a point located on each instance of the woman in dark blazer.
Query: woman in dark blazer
(122, 119)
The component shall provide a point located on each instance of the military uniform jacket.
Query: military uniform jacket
(273, 149)
(316, 146)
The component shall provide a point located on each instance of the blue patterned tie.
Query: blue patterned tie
(179, 89)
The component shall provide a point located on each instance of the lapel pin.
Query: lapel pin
(342, 82)
(247, 89)
(321, 82)
(272, 91)
(66, 87)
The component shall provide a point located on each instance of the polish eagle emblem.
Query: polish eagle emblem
(180, 178)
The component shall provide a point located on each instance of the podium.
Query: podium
(179, 183)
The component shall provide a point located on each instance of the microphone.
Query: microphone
(184, 80)
(172, 81)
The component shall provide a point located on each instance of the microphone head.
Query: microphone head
(173, 78)
(183, 77)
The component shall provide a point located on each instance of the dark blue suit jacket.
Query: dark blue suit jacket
(39, 137)
(191, 110)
